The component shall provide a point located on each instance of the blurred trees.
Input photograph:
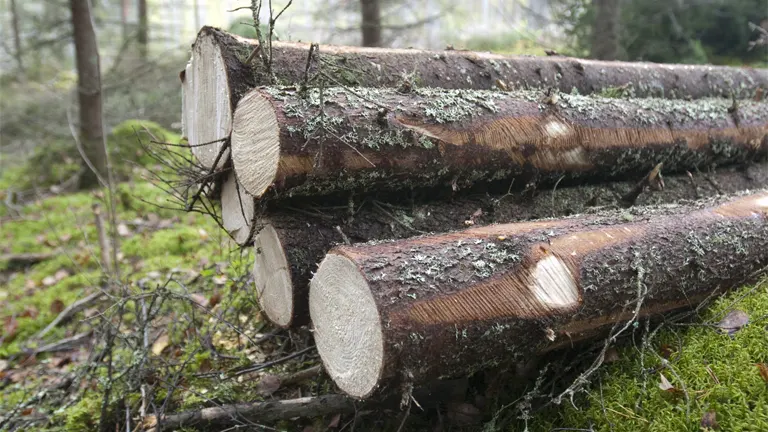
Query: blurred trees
(670, 31)
(89, 94)
(370, 22)
(605, 30)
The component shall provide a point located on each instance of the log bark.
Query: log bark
(452, 304)
(217, 77)
(291, 241)
(284, 144)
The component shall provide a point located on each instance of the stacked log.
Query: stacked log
(431, 213)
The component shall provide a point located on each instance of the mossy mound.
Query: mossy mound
(130, 145)
(712, 373)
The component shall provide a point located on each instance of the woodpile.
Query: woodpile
(433, 213)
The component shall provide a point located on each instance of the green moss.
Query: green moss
(718, 372)
(84, 415)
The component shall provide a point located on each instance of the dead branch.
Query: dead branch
(70, 311)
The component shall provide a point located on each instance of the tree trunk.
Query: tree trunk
(452, 304)
(17, 52)
(291, 241)
(605, 30)
(143, 33)
(124, 10)
(371, 23)
(217, 77)
(284, 145)
(89, 93)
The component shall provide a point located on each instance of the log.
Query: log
(217, 76)
(290, 241)
(237, 210)
(451, 304)
(284, 145)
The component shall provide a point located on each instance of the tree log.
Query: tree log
(285, 145)
(217, 77)
(290, 242)
(451, 304)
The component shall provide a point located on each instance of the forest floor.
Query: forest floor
(177, 328)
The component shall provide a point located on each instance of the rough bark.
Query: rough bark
(16, 36)
(370, 23)
(605, 30)
(142, 36)
(89, 92)
(304, 235)
(217, 77)
(284, 144)
(451, 304)
(458, 69)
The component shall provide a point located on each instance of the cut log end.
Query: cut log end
(256, 143)
(206, 102)
(347, 326)
(554, 285)
(272, 276)
(237, 210)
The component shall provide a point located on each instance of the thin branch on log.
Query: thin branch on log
(291, 241)
(450, 304)
(652, 181)
(284, 144)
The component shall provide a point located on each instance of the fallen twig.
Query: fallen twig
(70, 311)
(258, 411)
(65, 344)
(20, 260)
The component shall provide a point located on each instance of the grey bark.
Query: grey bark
(143, 35)
(371, 23)
(89, 92)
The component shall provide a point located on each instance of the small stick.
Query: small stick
(102, 234)
(653, 181)
(65, 344)
(70, 311)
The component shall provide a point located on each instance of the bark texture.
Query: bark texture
(457, 69)
(17, 53)
(89, 92)
(142, 36)
(605, 30)
(454, 303)
(307, 233)
(284, 144)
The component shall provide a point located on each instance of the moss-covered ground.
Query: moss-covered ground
(715, 378)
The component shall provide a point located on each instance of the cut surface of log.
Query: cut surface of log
(284, 144)
(451, 304)
(237, 210)
(292, 242)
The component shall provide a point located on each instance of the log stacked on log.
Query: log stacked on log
(589, 193)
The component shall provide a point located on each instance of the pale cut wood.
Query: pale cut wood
(237, 210)
(451, 304)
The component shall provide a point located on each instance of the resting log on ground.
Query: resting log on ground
(451, 304)
(290, 241)
(284, 144)
(217, 77)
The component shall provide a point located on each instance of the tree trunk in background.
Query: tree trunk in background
(143, 36)
(16, 36)
(605, 30)
(371, 24)
(124, 7)
(89, 92)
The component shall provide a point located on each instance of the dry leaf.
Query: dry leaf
(203, 234)
(30, 284)
(666, 351)
(65, 238)
(160, 344)
(49, 280)
(463, 414)
(611, 355)
(733, 322)
(123, 230)
(709, 420)
(268, 385)
(57, 306)
(9, 329)
(3, 365)
(220, 279)
(61, 274)
(763, 369)
(199, 299)
(214, 300)
(665, 385)
(26, 411)
(29, 312)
